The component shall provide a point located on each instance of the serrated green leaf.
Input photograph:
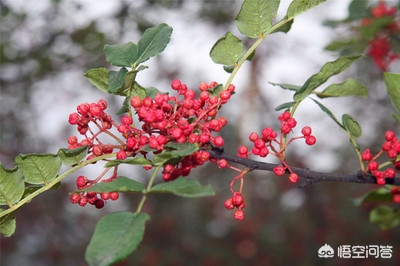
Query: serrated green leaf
(351, 126)
(285, 106)
(138, 90)
(255, 17)
(286, 86)
(328, 112)
(123, 55)
(350, 87)
(174, 150)
(183, 187)
(125, 106)
(39, 168)
(120, 184)
(116, 81)
(377, 195)
(392, 81)
(11, 185)
(297, 7)
(385, 216)
(328, 70)
(227, 50)
(7, 224)
(72, 157)
(132, 161)
(116, 236)
(153, 42)
(98, 77)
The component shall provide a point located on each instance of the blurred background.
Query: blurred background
(47, 46)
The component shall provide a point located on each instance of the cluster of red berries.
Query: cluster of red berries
(236, 201)
(380, 47)
(93, 198)
(269, 143)
(391, 147)
(185, 118)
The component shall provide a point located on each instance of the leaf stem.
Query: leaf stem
(149, 185)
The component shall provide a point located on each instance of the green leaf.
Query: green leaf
(39, 168)
(351, 126)
(7, 224)
(120, 184)
(377, 195)
(286, 86)
(392, 81)
(385, 216)
(153, 42)
(285, 28)
(116, 236)
(123, 55)
(328, 112)
(11, 185)
(152, 92)
(285, 106)
(116, 81)
(184, 188)
(138, 90)
(328, 70)
(72, 157)
(98, 77)
(227, 50)
(181, 149)
(350, 87)
(255, 17)
(132, 161)
(297, 7)
(358, 9)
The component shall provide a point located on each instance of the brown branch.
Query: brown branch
(310, 177)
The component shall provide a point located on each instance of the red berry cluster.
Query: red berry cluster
(93, 198)
(391, 146)
(396, 194)
(380, 47)
(270, 143)
(185, 118)
(236, 201)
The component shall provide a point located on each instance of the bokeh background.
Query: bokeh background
(47, 46)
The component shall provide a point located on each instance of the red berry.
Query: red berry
(97, 150)
(176, 84)
(373, 166)
(238, 215)
(396, 198)
(366, 155)
(136, 102)
(237, 199)
(310, 140)
(105, 195)
(81, 181)
(127, 120)
(279, 170)
(218, 141)
(121, 155)
(228, 204)
(114, 195)
(243, 151)
(253, 136)
(293, 177)
(389, 135)
(75, 198)
(306, 131)
(99, 203)
(284, 116)
(222, 163)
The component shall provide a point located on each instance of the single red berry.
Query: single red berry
(381, 181)
(259, 143)
(102, 104)
(311, 140)
(203, 86)
(373, 166)
(231, 88)
(218, 141)
(73, 118)
(136, 102)
(306, 131)
(75, 198)
(222, 163)
(176, 84)
(243, 151)
(127, 120)
(389, 135)
(238, 215)
(121, 155)
(105, 195)
(293, 177)
(284, 116)
(225, 95)
(366, 155)
(253, 136)
(82, 202)
(114, 195)
(395, 190)
(81, 181)
(228, 204)
(279, 170)
(72, 140)
(237, 199)
(389, 173)
(97, 150)
(99, 203)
